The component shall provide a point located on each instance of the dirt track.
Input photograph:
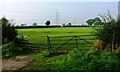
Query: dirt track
(17, 62)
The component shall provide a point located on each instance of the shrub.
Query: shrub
(8, 31)
(109, 32)
(10, 50)
(87, 59)
(46, 53)
(98, 45)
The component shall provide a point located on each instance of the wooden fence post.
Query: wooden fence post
(76, 41)
(48, 42)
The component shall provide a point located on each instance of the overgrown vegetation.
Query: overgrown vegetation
(8, 31)
(11, 44)
(109, 33)
(48, 53)
(88, 59)
(78, 59)
(10, 50)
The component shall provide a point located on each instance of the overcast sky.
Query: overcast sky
(39, 12)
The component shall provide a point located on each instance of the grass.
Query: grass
(38, 36)
(56, 31)
(41, 62)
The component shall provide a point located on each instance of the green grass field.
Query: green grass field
(56, 31)
(38, 36)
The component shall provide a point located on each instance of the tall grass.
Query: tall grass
(87, 59)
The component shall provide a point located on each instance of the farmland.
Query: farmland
(58, 36)
(38, 36)
(72, 57)
(56, 31)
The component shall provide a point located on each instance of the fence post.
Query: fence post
(76, 41)
(48, 42)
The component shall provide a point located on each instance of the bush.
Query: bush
(8, 31)
(10, 50)
(98, 45)
(46, 53)
(87, 59)
(109, 32)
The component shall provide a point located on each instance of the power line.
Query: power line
(57, 17)
(74, 21)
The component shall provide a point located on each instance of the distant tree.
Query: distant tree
(23, 25)
(63, 24)
(97, 19)
(90, 22)
(34, 24)
(8, 31)
(94, 22)
(97, 22)
(47, 23)
(69, 24)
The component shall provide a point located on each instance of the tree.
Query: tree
(47, 23)
(69, 24)
(63, 24)
(90, 22)
(109, 32)
(94, 22)
(98, 21)
(34, 24)
(23, 25)
(8, 31)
